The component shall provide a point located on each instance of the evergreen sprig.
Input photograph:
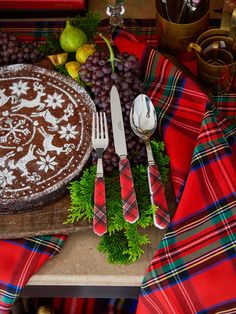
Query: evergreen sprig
(123, 243)
(51, 44)
(88, 23)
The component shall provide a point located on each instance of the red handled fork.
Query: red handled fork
(99, 143)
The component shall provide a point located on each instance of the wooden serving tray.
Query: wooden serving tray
(46, 221)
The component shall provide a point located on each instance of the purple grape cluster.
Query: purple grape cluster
(97, 72)
(13, 50)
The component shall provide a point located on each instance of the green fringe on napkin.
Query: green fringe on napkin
(123, 243)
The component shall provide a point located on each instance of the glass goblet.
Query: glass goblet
(115, 10)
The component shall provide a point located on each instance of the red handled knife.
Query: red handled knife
(128, 195)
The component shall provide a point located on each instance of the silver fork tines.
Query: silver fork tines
(99, 137)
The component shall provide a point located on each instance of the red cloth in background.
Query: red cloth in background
(194, 264)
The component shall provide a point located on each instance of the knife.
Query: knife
(128, 195)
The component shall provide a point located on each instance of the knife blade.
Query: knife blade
(128, 195)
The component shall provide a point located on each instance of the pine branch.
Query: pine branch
(51, 44)
(123, 242)
(88, 23)
(81, 195)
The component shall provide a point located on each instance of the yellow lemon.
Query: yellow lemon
(59, 58)
(72, 68)
(83, 52)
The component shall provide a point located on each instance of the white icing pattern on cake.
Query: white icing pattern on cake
(45, 135)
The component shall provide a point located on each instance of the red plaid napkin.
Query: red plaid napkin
(193, 269)
(19, 260)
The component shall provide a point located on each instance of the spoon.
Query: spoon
(143, 121)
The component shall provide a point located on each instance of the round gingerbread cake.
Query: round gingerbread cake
(45, 135)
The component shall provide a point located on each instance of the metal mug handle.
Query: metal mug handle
(194, 46)
(198, 48)
(232, 32)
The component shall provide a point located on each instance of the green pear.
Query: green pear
(72, 38)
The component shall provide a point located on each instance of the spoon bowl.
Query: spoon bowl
(143, 119)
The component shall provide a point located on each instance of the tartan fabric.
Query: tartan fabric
(161, 217)
(39, 30)
(89, 305)
(99, 218)
(128, 195)
(226, 105)
(20, 258)
(35, 30)
(194, 264)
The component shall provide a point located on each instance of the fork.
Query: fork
(99, 143)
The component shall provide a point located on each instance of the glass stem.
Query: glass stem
(115, 12)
